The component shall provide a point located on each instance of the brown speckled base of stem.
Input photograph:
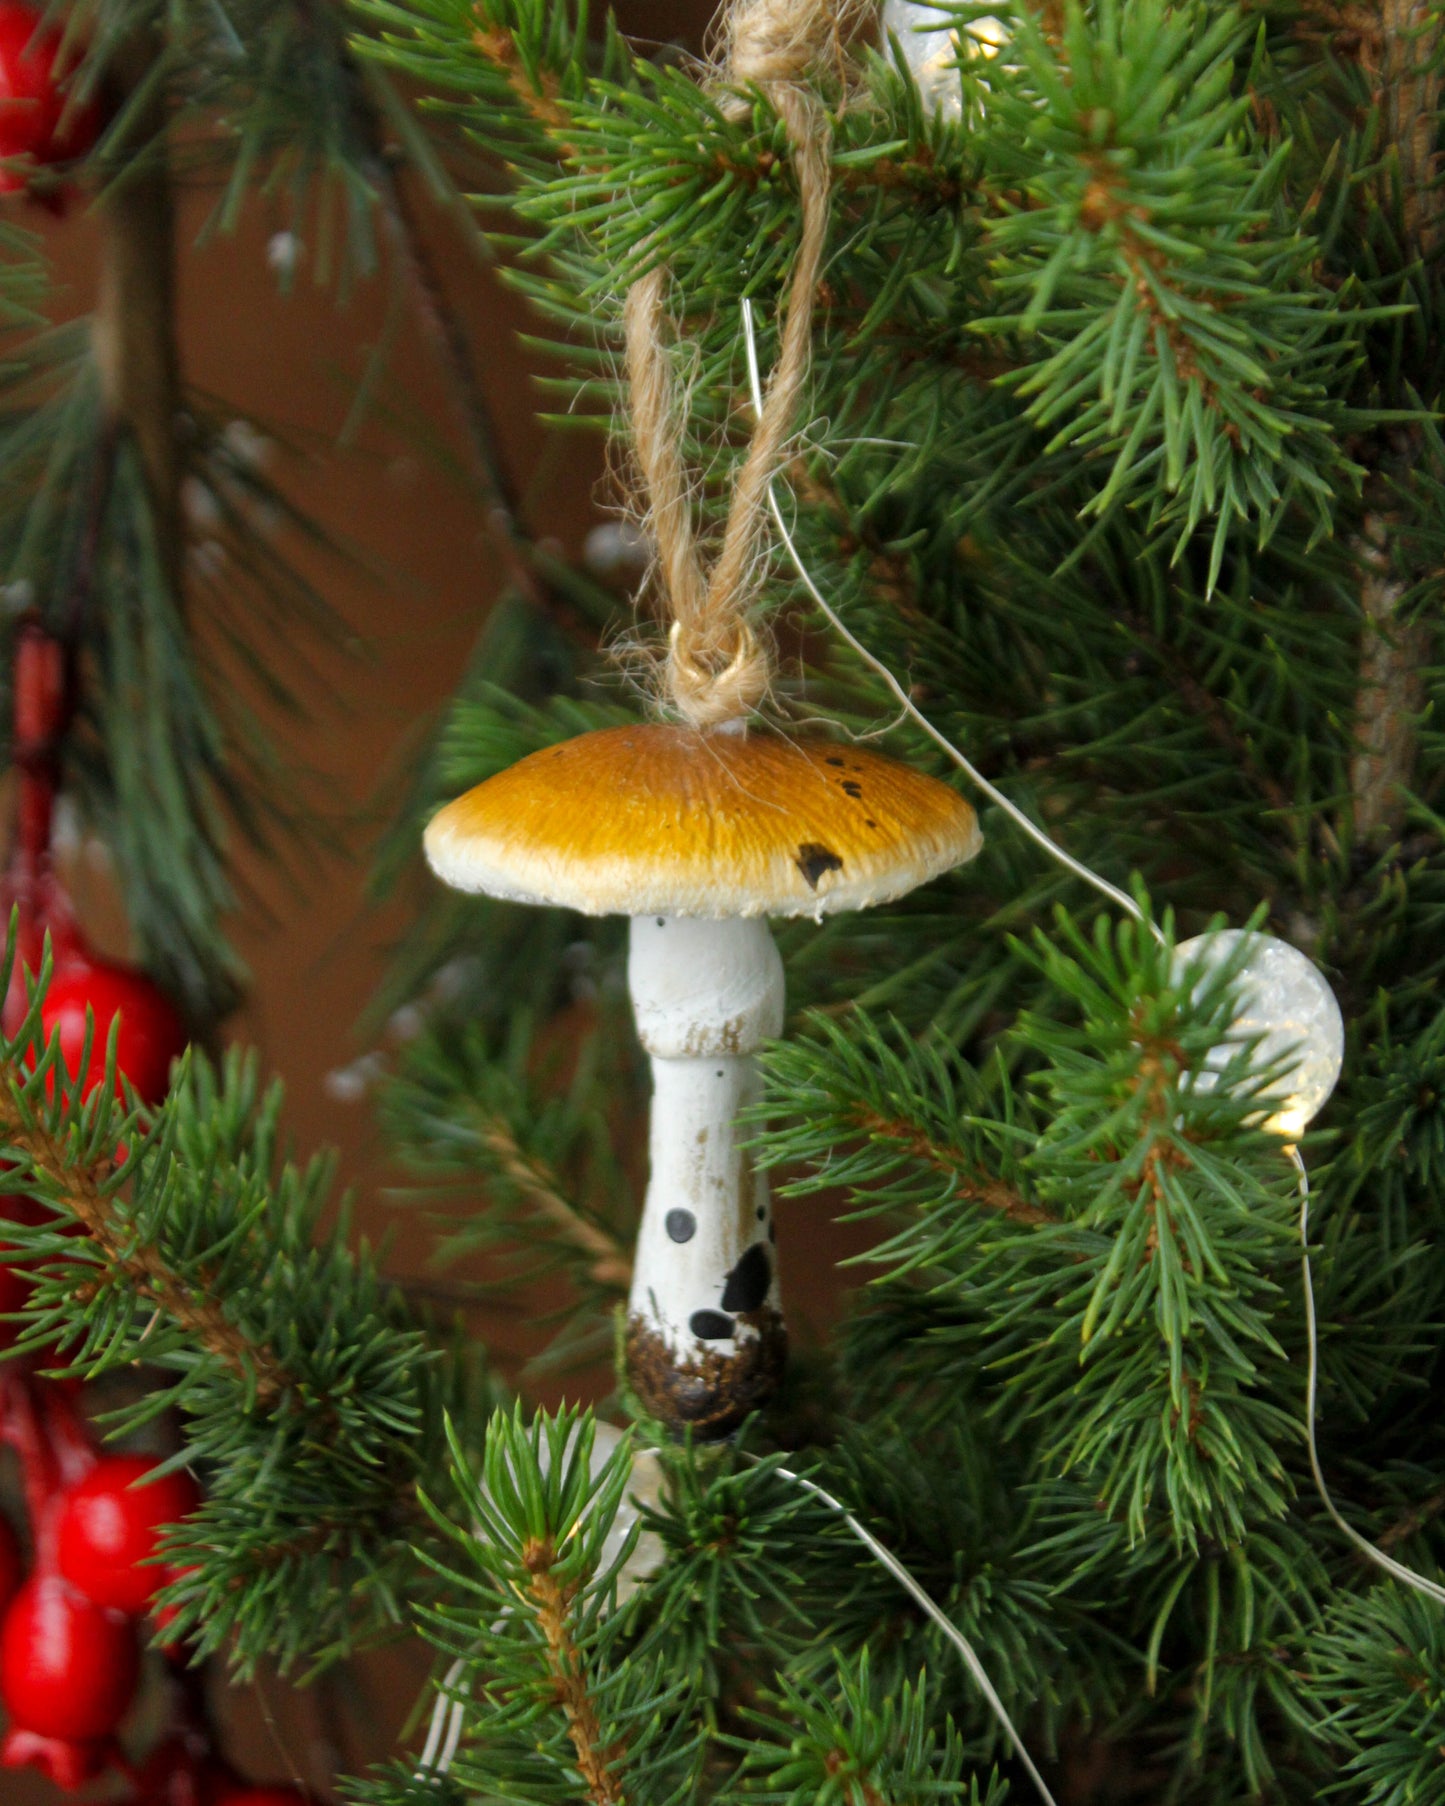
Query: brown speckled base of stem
(713, 1392)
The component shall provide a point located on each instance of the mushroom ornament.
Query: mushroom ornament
(699, 835)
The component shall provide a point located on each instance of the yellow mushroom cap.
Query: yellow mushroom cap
(660, 820)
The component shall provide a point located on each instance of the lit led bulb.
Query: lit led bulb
(648, 1554)
(1287, 1009)
(933, 46)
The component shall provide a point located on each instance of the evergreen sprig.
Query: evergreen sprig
(1136, 1205)
(559, 1714)
(312, 1400)
(844, 1746)
(1185, 333)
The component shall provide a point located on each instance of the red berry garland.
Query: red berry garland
(69, 1645)
(34, 120)
(67, 1667)
(150, 1036)
(109, 1528)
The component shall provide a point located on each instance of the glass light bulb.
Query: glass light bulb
(930, 44)
(1287, 1008)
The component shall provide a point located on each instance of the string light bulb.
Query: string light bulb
(934, 44)
(1286, 1008)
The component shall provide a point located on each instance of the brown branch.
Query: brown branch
(992, 1194)
(1215, 718)
(134, 326)
(402, 1515)
(448, 341)
(890, 571)
(1407, 90)
(1401, 60)
(839, 1762)
(538, 93)
(609, 1264)
(1414, 1519)
(1104, 205)
(1390, 697)
(552, 1602)
(191, 1304)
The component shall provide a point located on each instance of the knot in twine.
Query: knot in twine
(777, 40)
(717, 670)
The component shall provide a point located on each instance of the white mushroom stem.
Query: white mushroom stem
(706, 995)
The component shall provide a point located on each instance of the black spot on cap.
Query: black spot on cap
(749, 1280)
(662, 921)
(681, 1225)
(837, 762)
(813, 861)
(710, 1326)
(851, 787)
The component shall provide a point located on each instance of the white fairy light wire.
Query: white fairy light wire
(448, 1715)
(1398, 1570)
(1408, 1576)
(885, 1556)
(906, 702)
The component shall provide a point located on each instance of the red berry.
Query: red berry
(69, 1764)
(151, 1034)
(67, 1667)
(32, 106)
(108, 1528)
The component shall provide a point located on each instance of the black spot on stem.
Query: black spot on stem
(748, 1283)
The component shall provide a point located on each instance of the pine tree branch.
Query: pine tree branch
(891, 572)
(133, 329)
(841, 1762)
(991, 1194)
(402, 1514)
(1414, 1520)
(194, 1308)
(450, 344)
(551, 1602)
(1210, 711)
(609, 1263)
(537, 92)
(540, 93)
(1215, 717)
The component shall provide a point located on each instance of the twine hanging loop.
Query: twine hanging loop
(717, 669)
